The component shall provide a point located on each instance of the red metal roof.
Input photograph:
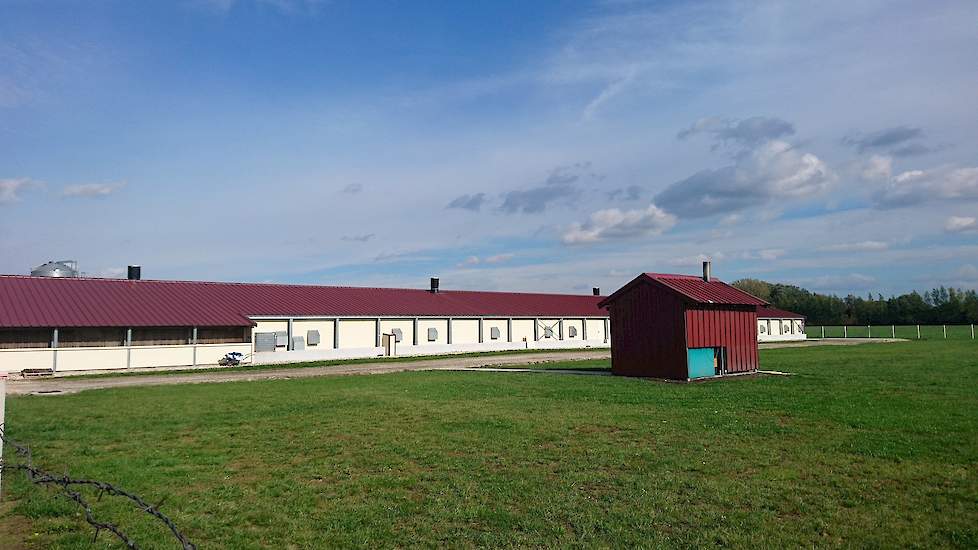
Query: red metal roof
(82, 302)
(713, 292)
(775, 313)
(695, 289)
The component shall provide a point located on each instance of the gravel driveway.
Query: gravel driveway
(70, 384)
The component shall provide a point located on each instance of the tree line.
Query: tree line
(939, 306)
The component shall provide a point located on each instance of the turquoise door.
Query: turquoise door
(700, 361)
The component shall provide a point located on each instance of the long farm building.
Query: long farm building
(77, 323)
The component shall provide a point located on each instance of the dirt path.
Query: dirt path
(73, 385)
(828, 342)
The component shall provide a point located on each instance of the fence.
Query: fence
(70, 488)
(910, 332)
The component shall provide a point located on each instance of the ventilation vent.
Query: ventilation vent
(312, 337)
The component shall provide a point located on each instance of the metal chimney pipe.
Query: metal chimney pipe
(134, 273)
(596, 291)
(434, 285)
(706, 271)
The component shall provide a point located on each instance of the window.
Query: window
(548, 332)
(572, 332)
(494, 333)
(398, 335)
(763, 329)
(432, 334)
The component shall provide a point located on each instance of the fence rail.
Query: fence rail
(910, 332)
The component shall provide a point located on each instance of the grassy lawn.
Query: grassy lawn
(867, 446)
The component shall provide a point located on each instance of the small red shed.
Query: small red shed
(682, 327)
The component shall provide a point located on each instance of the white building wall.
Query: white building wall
(441, 325)
(522, 328)
(269, 326)
(301, 327)
(487, 326)
(357, 338)
(465, 331)
(406, 326)
(16, 360)
(780, 330)
(155, 356)
(544, 324)
(358, 333)
(595, 330)
(578, 324)
(92, 358)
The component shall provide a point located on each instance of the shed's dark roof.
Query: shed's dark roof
(694, 289)
(83, 302)
(775, 313)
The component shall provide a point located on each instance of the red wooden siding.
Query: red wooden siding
(734, 328)
(648, 333)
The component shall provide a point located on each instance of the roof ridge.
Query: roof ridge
(288, 285)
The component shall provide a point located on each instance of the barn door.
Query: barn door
(706, 362)
(700, 362)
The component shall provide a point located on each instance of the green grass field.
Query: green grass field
(927, 332)
(866, 446)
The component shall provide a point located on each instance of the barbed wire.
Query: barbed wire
(66, 483)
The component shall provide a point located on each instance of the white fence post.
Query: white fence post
(845, 331)
(972, 331)
(869, 331)
(945, 332)
(918, 332)
(892, 331)
(823, 332)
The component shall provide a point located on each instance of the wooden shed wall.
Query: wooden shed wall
(648, 333)
(732, 327)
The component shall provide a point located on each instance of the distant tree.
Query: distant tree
(755, 287)
(937, 306)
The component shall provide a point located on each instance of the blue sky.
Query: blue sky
(500, 145)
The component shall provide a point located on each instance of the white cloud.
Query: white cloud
(11, 188)
(915, 187)
(767, 254)
(967, 272)
(490, 260)
(961, 224)
(289, 7)
(607, 93)
(91, 190)
(353, 188)
(499, 258)
(843, 283)
(877, 167)
(695, 260)
(861, 246)
(774, 170)
(613, 223)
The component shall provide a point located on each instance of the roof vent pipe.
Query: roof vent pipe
(596, 291)
(434, 285)
(134, 273)
(706, 271)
